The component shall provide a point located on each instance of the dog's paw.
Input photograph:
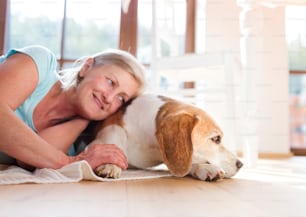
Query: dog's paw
(207, 172)
(108, 171)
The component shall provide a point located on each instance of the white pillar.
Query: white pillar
(264, 61)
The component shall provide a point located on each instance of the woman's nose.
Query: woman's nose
(108, 97)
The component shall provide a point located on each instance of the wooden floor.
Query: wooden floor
(275, 188)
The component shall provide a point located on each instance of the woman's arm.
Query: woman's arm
(18, 79)
(20, 142)
(62, 136)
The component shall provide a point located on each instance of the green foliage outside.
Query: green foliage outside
(297, 55)
(80, 39)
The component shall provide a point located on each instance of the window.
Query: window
(296, 37)
(200, 26)
(171, 27)
(74, 28)
(296, 40)
(144, 46)
(27, 25)
(170, 19)
(91, 27)
(70, 28)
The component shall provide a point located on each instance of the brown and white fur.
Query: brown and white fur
(154, 129)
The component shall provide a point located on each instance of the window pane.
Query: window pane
(298, 110)
(200, 26)
(171, 27)
(144, 44)
(92, 26)
(296, 36)
(170, 21)
(35, 22)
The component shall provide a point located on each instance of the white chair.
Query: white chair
(214, 88)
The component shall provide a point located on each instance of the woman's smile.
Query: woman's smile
(98, 102)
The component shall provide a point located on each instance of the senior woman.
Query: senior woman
(43, 111)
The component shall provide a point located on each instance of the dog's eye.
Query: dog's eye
(216, 139)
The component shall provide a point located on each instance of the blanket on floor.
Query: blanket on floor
(74, 172)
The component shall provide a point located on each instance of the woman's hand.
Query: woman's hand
(99, 154)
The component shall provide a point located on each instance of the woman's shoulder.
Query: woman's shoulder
(37, 52)
(43, 57)
(37, 48)
(31, 50)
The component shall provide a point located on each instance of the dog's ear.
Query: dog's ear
(174, 137)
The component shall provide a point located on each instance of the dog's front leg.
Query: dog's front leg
(207, 172)
(112, 134)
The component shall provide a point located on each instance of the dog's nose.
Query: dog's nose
(239, 164)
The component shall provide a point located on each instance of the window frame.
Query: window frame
(3, 15)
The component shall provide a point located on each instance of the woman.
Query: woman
(42, 112)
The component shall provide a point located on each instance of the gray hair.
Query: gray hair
(69, 77)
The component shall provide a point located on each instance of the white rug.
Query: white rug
(74, 172)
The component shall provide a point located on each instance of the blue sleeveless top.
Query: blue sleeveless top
(46, 65)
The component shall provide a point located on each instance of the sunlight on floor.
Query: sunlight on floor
(277, 171)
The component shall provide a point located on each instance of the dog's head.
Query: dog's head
(187, 135)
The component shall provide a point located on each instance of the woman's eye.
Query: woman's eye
(121, 99)
(110, 81)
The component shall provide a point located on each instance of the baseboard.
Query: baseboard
(271, 155)
(275, 155)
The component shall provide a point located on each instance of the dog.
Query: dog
(155, 129)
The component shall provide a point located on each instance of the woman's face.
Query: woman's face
(103, 90)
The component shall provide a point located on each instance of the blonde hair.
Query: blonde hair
(69, 77)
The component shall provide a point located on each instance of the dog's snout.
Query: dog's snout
(239, 164)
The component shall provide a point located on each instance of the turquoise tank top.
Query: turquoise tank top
(46, 65)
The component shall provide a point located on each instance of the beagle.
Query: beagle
(154, 129)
